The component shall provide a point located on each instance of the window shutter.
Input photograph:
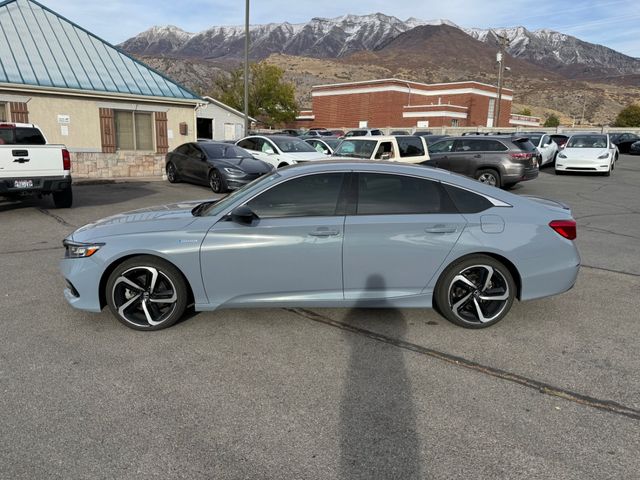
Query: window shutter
(107, 130)
(19, 112)
(162, 139)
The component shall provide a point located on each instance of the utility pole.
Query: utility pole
(504, 43)
(246, 69)
(584, 105)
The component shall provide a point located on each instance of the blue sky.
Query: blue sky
(613, 23)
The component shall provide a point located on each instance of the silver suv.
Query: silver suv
(499, 160)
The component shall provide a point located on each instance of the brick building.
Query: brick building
(400, 103)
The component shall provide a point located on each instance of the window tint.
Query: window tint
(466, 201)
(21, 136)
(535, 139)
(587, 141)
(524, 144)
(470, 145)
(292, 145)
(248, 143)
(377, 132)
(182, 149)
(441, 147)
(410, 146)
(308, 196)
(383, 194)
(384, 148)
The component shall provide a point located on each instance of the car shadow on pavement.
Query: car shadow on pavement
(378, 437)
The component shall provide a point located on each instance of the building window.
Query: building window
(3, 112)
(134, 130)
(491, 112)
(454, 122)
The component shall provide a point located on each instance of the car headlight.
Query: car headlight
(604, 155)
(233, 171)
(80, 250)
(562, 155)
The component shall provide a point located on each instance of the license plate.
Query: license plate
(23, 183)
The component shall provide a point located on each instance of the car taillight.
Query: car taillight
(521, 156)
(566, 228)
(66, 159)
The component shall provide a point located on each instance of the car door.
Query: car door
(399, 235)
(291, 255)
(191, 161)
(200, 166)
(466, 156)
(266, 151)
(439, 153)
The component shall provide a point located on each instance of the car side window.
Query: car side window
(384, 148)
(386, 194)
(248, 143)
(182, 149)
(494, 146)
(267, 147)
(308, 196)
(466, 201)
(410, 146)
(471, 145)
(443, 146)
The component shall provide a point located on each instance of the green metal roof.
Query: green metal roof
(38, 47)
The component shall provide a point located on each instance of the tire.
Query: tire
(489, 177)
(172, 173)
(63, 198)
(459, 292)
(137, 302)
(217, 182)
(559, 172)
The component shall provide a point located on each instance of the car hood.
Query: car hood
(584, 152)
(246, 164)
(160, 218)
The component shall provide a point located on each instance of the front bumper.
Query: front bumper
(41, 185)
(583, 165)
(83, 282)
(233, 183)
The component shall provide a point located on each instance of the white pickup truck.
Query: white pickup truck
(28, 166)
(396, 148)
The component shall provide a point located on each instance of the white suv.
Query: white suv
(279, 150)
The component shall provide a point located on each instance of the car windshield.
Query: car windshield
(216, 150)
(587, 141)
(356, 148)
(524, 144)
(248, 190)
(535, 139)
(292, 145)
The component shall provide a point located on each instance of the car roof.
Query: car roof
(271, 137)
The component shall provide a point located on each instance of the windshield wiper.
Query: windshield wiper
(198, 209)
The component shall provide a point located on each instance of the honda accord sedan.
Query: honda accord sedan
(328, 234)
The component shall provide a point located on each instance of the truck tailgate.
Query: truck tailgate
(31, 160)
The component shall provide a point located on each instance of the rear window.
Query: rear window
(410, 146)
(21, 136)
(524, 144)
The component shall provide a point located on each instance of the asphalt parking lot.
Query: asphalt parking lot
(553, 391)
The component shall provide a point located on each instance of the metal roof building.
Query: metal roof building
(84, 92)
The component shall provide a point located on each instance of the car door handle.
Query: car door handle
(324, 232)
(441, 229)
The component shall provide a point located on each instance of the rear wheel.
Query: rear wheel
(476, 292)
(63, 198)
(490, 177)
(172, 173)
(217, 182)
(146, 293)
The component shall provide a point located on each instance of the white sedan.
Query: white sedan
(547, 147)
(587, 152)
(279, 150)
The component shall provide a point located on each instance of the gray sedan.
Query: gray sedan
(328, 234)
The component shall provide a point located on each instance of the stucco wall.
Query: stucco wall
(83, 129)
(220, 116)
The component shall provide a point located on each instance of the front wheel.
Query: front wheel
(216, 182)
(476, 292)
(146, 293)
(172, 173)
(490, 177)
(63, 198)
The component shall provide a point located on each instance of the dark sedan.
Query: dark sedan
(634, 149)
(624, 141)
(220, 165)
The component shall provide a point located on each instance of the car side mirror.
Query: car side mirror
(243, 215)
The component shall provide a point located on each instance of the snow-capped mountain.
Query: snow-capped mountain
(347, 34)
(559, 52)
(320, 37)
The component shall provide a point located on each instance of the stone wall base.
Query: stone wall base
(116, 165)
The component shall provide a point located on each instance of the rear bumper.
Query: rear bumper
(41, 185)
(525, 175)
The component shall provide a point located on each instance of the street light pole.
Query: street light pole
(584, 105)
(246, 69)
(504, 41)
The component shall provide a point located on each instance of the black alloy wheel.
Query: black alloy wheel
(172, 173)
(217, 182)
(146, 293)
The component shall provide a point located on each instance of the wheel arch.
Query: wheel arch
(513, 270)
(118, 261)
